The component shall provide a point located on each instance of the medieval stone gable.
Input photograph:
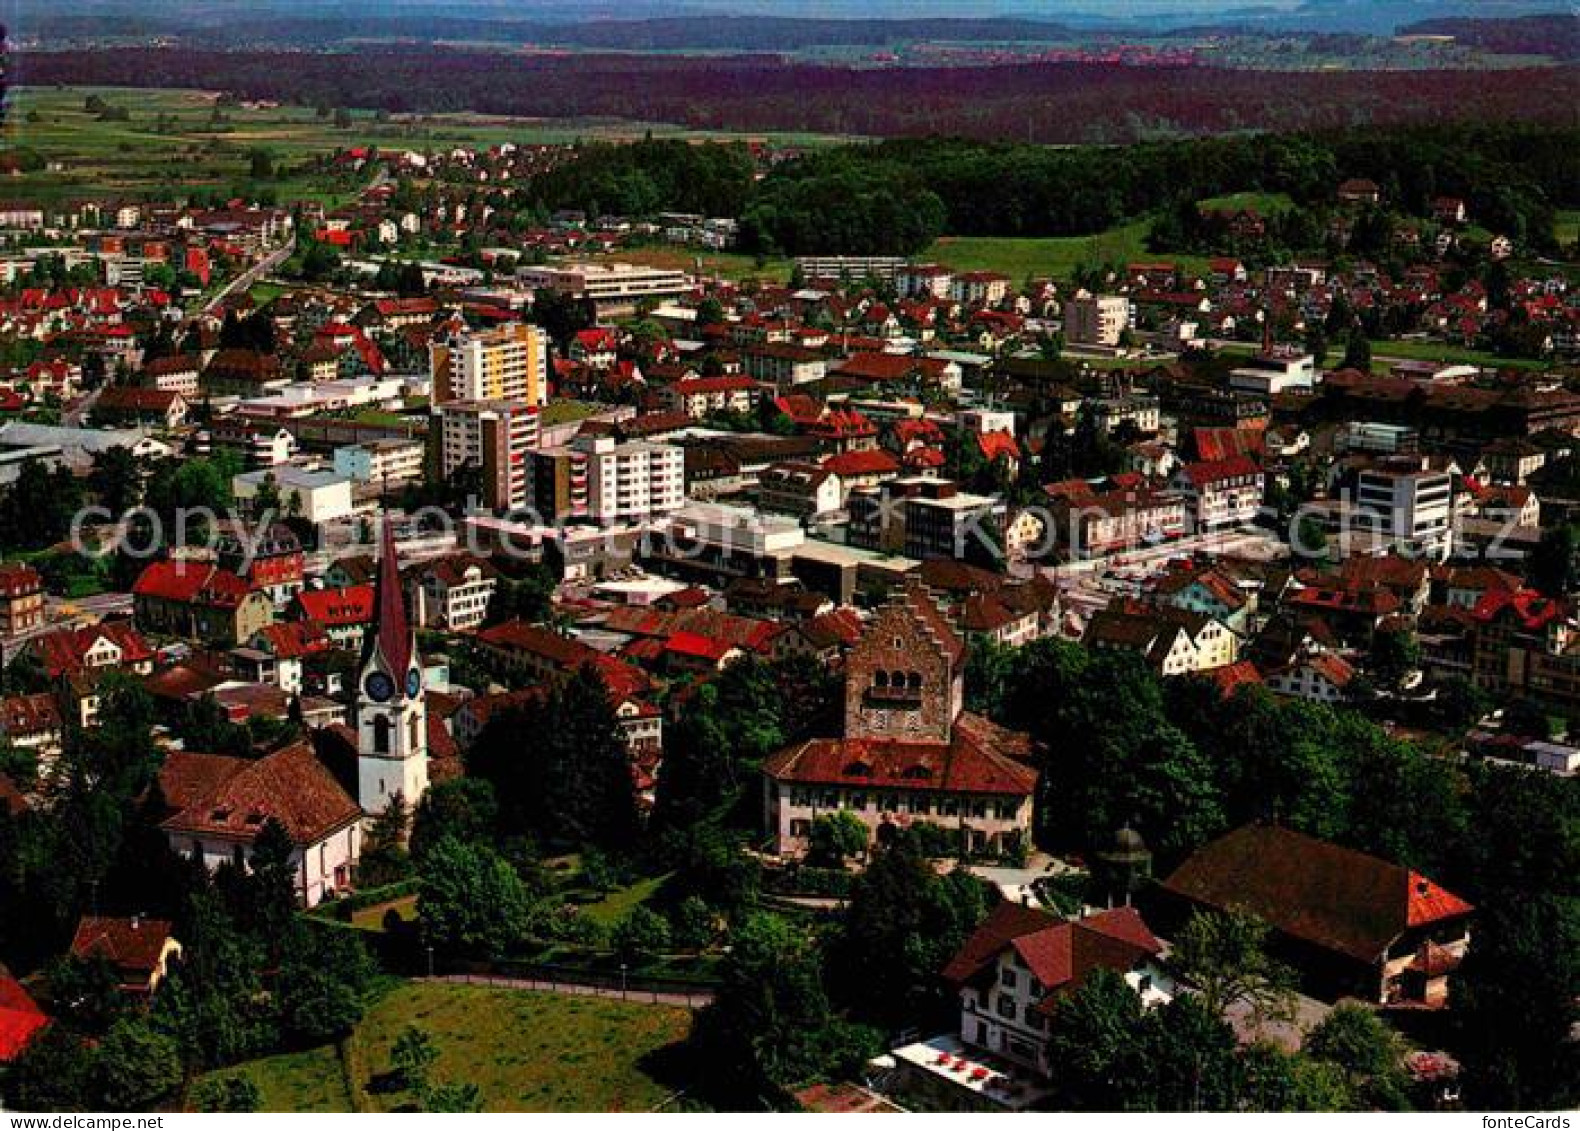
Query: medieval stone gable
(900, 678)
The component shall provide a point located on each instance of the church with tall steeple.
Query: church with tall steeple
(391, 715)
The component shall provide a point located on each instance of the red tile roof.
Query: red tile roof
(874, 462)
(1060, 954)
(290, 785)
(62, 651)
(20, 1018)
(981, 757)
(337, 607)
(1336, 898)
(132, 946)
(192, 583)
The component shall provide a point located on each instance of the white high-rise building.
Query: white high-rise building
(632, 480)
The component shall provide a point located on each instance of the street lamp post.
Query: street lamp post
(622, 981)
(429, 949)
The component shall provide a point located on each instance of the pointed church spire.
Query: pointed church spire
(391, 635)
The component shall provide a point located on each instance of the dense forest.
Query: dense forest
(1512, 177)
(1066, 103)
(649, 177)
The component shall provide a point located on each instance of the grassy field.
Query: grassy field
(1566, 227)
(173, 141)
(297, 1081)
(715, 264)
(1438, 351)
(1263, 202)
(525, 1052)
(1057, 256)
(529, 1051)
(622, 901)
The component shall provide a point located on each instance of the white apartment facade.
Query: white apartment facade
(632, 480)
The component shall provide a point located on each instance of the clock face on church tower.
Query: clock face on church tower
(379, 687)
(413, 683)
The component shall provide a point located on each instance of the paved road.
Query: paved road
(247, 278)
(695, 999)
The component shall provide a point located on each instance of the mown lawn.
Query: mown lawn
(1440, 351)
(1052, 256)
(296, 1081)
(1566, 226)
(1264, 202)
(528, 1051)
(617, 904)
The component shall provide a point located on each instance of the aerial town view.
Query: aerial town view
(696, 556)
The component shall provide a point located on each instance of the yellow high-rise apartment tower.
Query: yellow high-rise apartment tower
(509, 363)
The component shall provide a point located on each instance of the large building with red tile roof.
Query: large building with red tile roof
(909, 753)
(1352, 924)
(215, 807)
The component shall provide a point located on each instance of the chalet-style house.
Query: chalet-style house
(1350, 923)
(138, 949)
(910, 754)
(1017, 964)
(1010, 974)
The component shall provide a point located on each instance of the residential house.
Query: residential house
(199, 601)
(139, 950)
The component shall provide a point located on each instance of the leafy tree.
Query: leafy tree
(1187, 1058)
(902, 924)
(463, 809)
(412, 1056)
(1224, 955)
(136, 1066)
(693, 924)
(770, 1026)
(271, 887)
(459, 1098)
(1356, 1039)
(233, 1093)
(1514, 1003)
(641, 935)
(54, 1072)
(1092, 1037)
(116, 479)
(1276, 1081)
(213, 1003)
(472, 900)
(1358, 351)
(1555, 563)
(837, 836)
(324, 975)
(87, 993)
(1395, 653)
(576, 788)
(384, 859)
